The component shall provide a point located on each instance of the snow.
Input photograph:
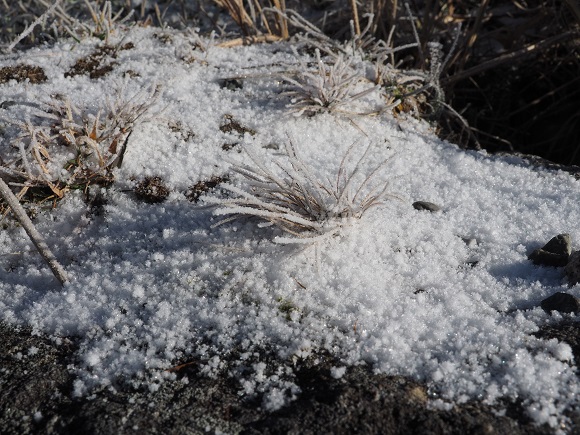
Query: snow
(155, 285)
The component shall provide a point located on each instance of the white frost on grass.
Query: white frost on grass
(154, 285)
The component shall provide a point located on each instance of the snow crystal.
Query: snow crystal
(337, 372)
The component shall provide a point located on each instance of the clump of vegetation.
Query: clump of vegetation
(287, 308)
(233, 126)
(502, 77)
(508, 81)
(258, 20)
(63, 147)
(33, 21)
(327, 89)
(299, 203)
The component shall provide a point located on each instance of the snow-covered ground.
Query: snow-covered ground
(155, 285)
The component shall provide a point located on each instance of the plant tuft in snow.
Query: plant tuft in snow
(96, 142)
(327, 88)
(299, 202)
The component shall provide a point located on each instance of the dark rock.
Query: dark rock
(555, 253)
(561, 302)
(573, 268)
(561, 244)
(424, 205)
(543, 258)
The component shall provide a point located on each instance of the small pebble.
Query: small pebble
(424, 205)
(561, 302)
(555, 253)
(572, 269)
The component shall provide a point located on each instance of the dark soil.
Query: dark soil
(34, 74)
(152, 190)
(95, 64)
(36, 398)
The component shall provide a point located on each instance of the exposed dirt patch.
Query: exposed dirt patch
(97, 63)
(185, 133)
(231, 125)
(20, 73)
(201, 187)
(152, 190)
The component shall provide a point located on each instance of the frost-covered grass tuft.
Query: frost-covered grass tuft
(301, 203)
(95, 143)
(328, 88)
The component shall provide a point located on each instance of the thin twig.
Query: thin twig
(355, 17)
(32, 232)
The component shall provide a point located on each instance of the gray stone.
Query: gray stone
(424, 205)
(573, 268)
(561, 244)
(561, 302)
(555, 253)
